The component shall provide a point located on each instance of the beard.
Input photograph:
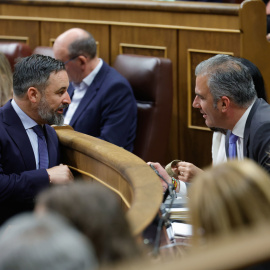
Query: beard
(49, 115)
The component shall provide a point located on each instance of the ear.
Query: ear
(82, 60)
(225, 103)
(33, 94)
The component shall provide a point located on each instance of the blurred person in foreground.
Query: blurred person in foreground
(227, 198)
(96, 212)
(44, 243)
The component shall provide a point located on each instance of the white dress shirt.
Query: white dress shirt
(218, 148)
(79, 92)
(218, 142)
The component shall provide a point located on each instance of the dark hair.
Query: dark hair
(83, 46)
(96, 212)
(256, 76)
(34, 71)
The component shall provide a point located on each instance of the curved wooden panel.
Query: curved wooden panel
(127, 175)
(245, 249)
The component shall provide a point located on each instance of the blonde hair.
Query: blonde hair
(228, 197)
(5, 80)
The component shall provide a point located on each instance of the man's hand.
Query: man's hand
(185, 170)
(163, 173)
(60, 174)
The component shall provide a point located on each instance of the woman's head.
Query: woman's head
(228, 197)
(96, 212)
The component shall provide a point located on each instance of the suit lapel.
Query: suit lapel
(86, 100)
(246, 131)
(70, 90)
(90, 93)
(19, 136)
(71, 93)
(247, 127)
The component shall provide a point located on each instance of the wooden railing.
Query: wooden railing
(127, 175)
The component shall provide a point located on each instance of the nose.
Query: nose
(66, 99)
(196, 103)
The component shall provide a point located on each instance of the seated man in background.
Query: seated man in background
(103, 104)
(44, 243)
(29, 150)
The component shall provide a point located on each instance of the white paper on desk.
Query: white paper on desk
(181, 229)
(177, 210)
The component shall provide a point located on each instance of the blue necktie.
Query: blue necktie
(42, 147)
(232, 146)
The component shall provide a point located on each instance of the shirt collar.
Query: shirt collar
(27, 121)
(90, 77)
(239, 128)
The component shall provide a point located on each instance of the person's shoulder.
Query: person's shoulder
(115, 79)
(111, 71)
(259, 118)
(7, 113)
(261, 104)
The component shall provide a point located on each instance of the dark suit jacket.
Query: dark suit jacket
(257, 134)
(19, 180)
(108, 110)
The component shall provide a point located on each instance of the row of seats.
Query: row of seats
(14, 50)
(151, 81)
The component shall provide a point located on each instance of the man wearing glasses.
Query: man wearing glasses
(103, 104)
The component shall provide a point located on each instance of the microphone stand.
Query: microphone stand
(165, 216)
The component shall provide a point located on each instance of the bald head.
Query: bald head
(77, 49)
(74, 42)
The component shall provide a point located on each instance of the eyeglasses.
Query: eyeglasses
(71, 59)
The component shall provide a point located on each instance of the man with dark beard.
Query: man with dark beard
(29, 150)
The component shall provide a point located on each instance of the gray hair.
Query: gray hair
(228, 77)
(43, 242)
(83, 46)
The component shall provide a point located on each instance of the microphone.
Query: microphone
(171, 187)
(164, 220)
(167, 223)
(165, 215)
